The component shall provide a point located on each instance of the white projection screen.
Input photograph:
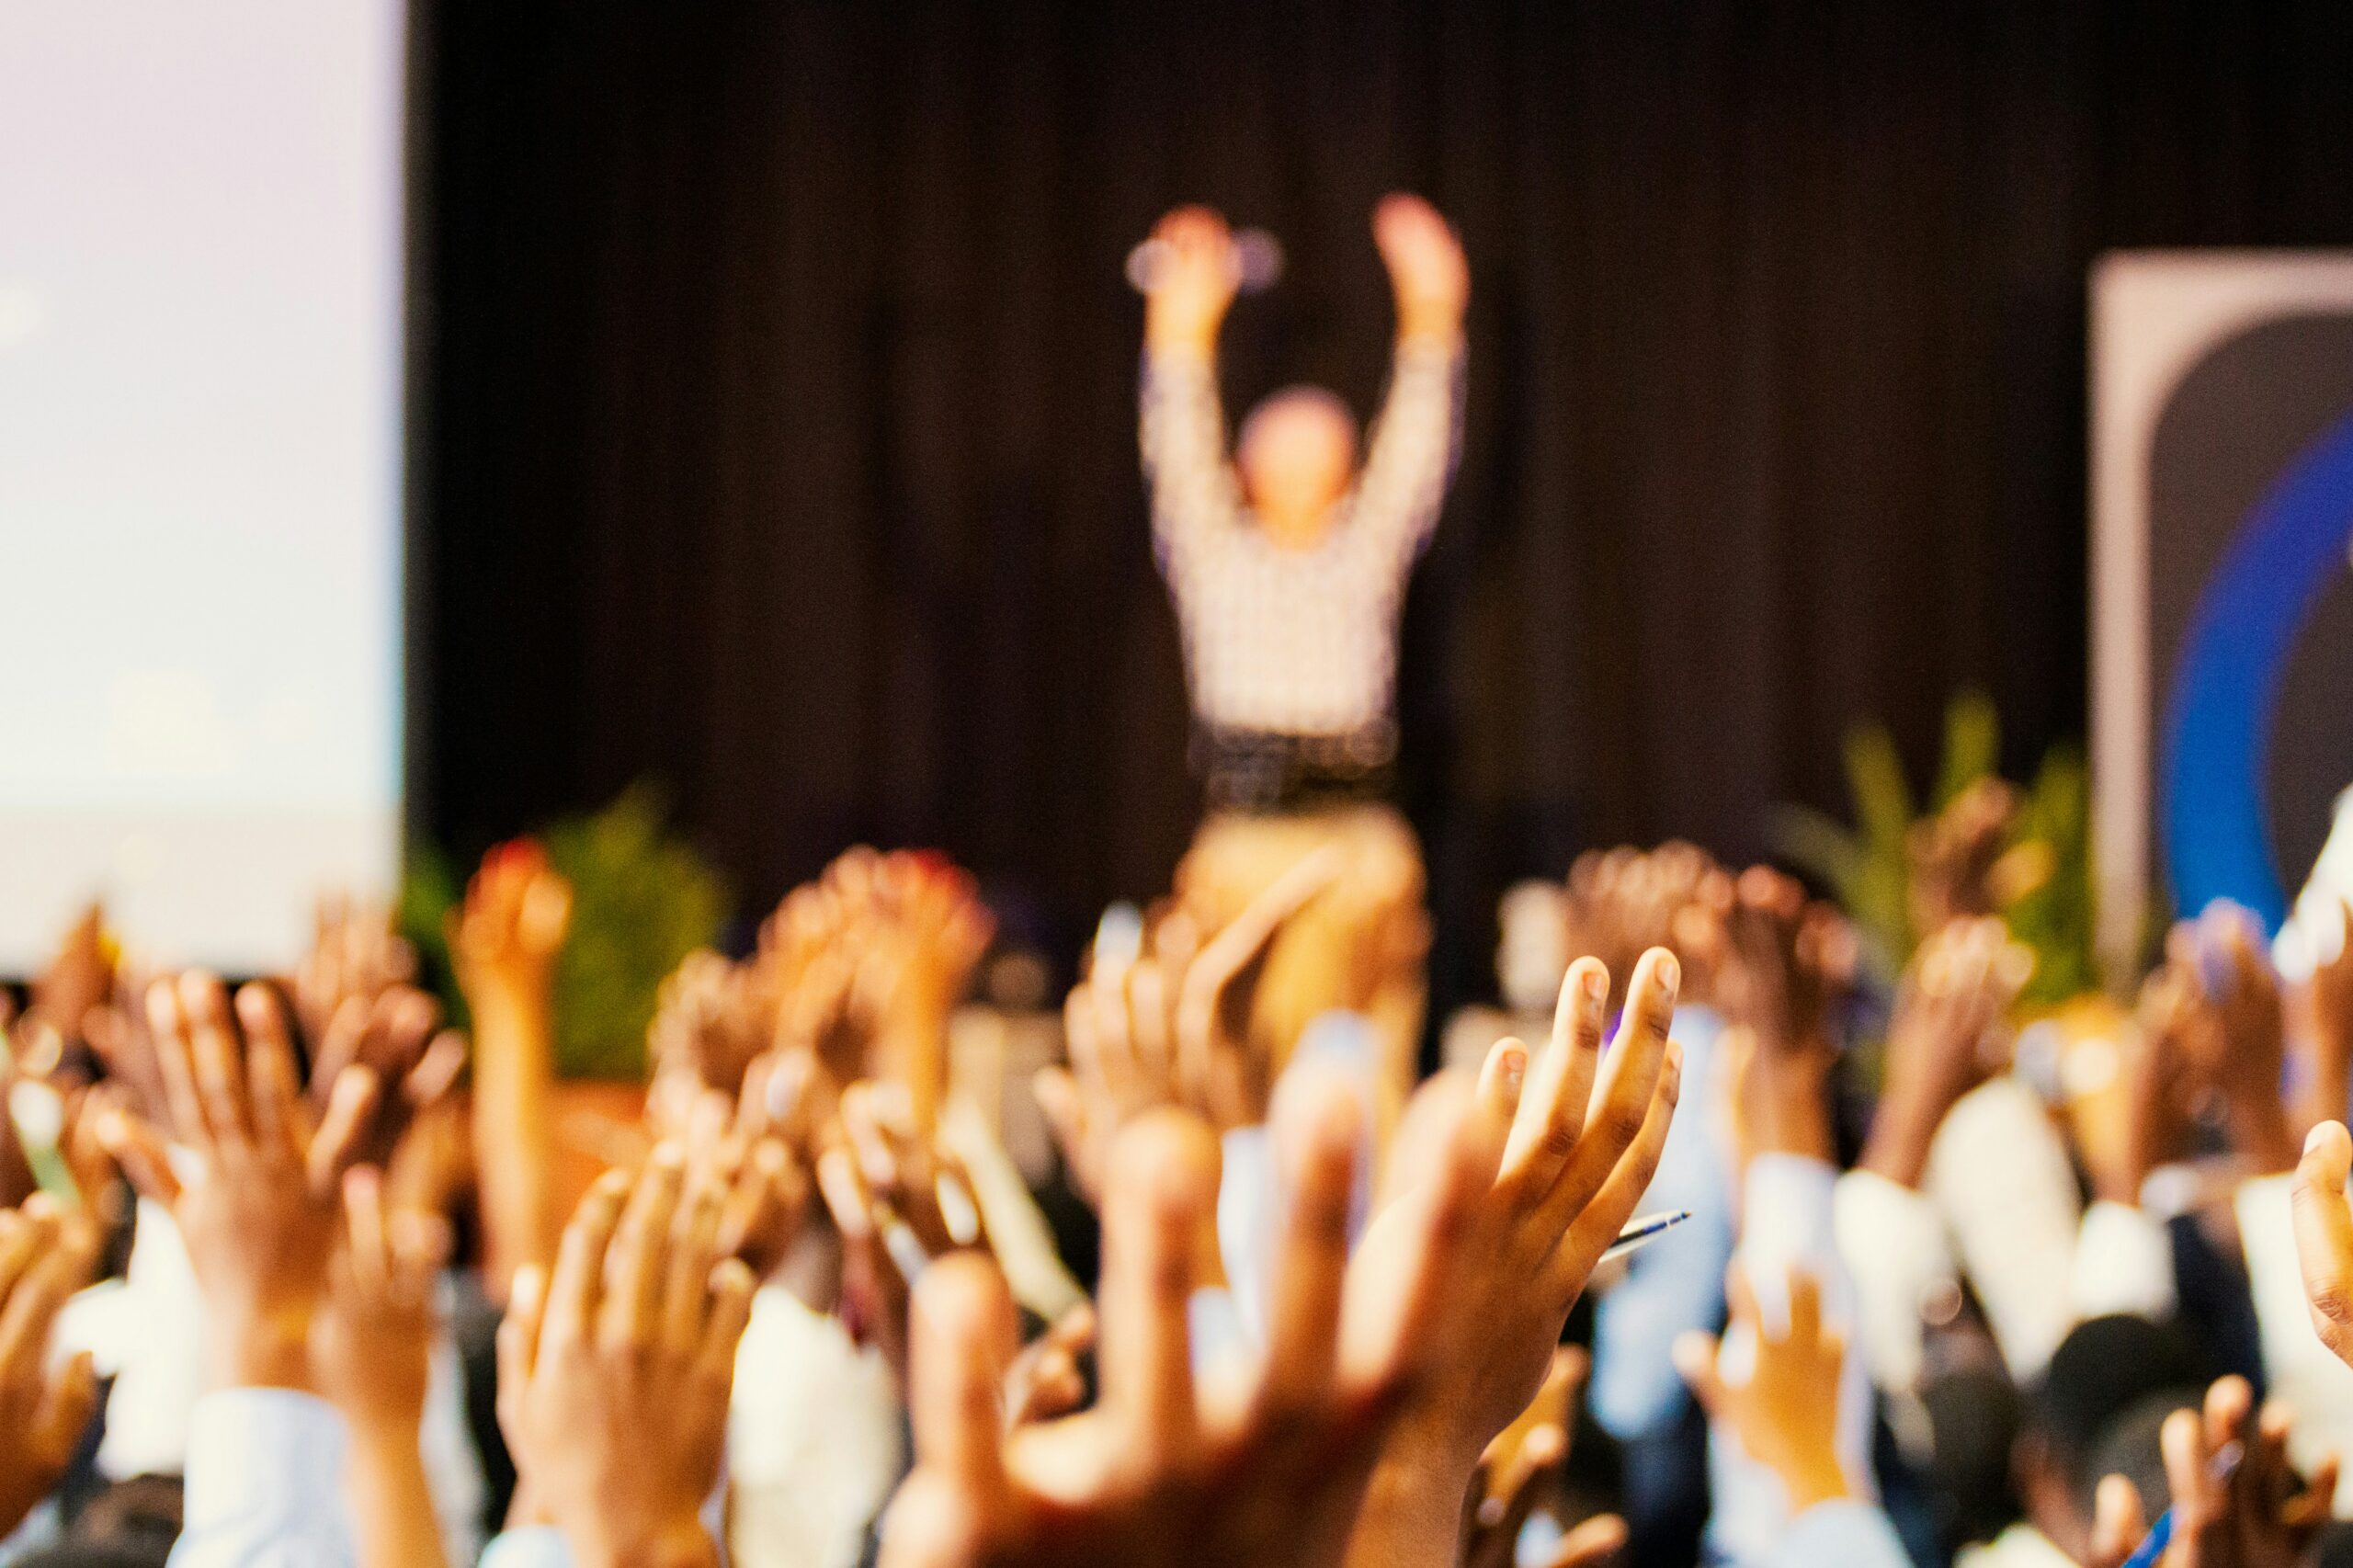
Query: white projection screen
(200, 411)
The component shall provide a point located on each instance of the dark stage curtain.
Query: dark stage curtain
(777, 374)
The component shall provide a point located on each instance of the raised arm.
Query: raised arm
(1411, 454)
(1182, 427)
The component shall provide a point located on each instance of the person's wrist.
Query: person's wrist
(512, 996)
(678, 1541)
(2261, 1129)
(380, 1417)
(1897, 1145)
(263, 1347)
(1412, 1513)
(1430, 326)
(1812, 1476)
(1176, 337)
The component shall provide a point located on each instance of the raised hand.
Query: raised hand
(79, 976)
(1194, 283)
(259, 1197)
(712, 1019)
(2324, 1235)
(376, 1324)
(2329, 1038)
(44, 1258)
(2232, 1032)
(355, 953)
(1426, 264)
(370, 1351)
(397, 1037)
(1958, 860)
(897, 1202)
(1948, 1010)
(505, 938)
(1581, 1135)
(504, 941)
(1172, 1028)
(614, 1371)
(1044, 1382)
(2251, 1511)
(1159, 1472)
(862, 968)
(1785, 1416)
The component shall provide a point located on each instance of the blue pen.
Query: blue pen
(2152, 1545)
(1641, 1232)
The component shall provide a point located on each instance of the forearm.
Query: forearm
(2330, 1086)
(1411, 453)
(513, 1093)
(1411, 1517)
(392, 1504)
(1902, 1130)
(2261, 1129)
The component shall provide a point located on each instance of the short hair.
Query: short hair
(2102, 1369)
(2132, 1447)
(1290, 400)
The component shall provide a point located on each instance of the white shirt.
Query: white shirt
(1283, 640)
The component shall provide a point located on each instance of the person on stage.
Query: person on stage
(1288, 565)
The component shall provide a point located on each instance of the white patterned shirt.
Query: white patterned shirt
(1288, 640)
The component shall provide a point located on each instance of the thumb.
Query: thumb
(1695, 1361)
(67, 1408)
(1591, 1543)
(2117, 1523)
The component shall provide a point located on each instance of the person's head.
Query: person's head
(2106, 1368)
(1297, 454)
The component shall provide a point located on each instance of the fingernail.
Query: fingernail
(2312, 1139)
(1515, 1067)
(1597, 985)
(1670, 972)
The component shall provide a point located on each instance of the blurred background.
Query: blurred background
(770, 395)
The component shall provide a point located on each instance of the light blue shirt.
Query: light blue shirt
(1677, 1284)
(264, 1484)
(539, 1546)
(1850, 1534)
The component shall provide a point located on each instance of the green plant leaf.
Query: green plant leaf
(1973, 746)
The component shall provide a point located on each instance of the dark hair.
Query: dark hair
(2104, 1368)
(2132, 1448)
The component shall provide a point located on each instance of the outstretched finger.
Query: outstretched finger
(636, 1262)
(1694, 1354)
(1159, 1199)
(1318, 1128)
(219, 1059)
(578, 1285)
(964, 1342)
(731, 1289)
(280, 1125)
(168, 1026)
(139, 1151)
(2119, 1521)
(69, 1404)
(1551, 1114)
(336, 1145)
(1593, 1542)
(2324, 1225)
(1591, 1232)
(1628, 1082)
(518, 1341)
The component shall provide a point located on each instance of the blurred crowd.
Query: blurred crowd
(884, 1264)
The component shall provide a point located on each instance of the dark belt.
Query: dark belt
(1268, 773)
